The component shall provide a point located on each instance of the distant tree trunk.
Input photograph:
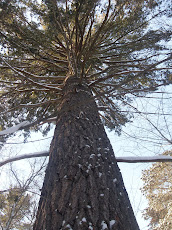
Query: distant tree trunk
(83, 188)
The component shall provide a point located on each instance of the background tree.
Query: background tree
(19, 200)
(16, 209)
(158, 191)
(50, 66)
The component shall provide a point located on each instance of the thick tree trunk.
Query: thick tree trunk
(83, 188)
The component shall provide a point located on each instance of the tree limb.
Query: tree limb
(160, 158)
(25, 156)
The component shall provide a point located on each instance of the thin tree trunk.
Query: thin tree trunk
(83, 188)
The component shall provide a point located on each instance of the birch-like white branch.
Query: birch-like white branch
(24, 156)
(25, 124)
(14, 128)
(160, 158)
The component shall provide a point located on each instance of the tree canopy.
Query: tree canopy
(45, 42)
(158, 191)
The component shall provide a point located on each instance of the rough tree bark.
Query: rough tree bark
(83, 188)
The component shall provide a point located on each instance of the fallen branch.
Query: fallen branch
(160, 158)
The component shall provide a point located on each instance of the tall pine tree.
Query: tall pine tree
(78, 62)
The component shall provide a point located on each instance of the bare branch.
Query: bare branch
(25, 156)
(26, 124)
(160, 158)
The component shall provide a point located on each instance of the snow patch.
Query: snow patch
(102, 194)
(92, 155)
(106, 149)
(114, 180)
(90, 226)
(100, 174)
(112, 222)
(104, 225)
(89, 166)
(84, 219)
(68, 226)
(63, 223)
(88, 206)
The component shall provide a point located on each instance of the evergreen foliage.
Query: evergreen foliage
(158, 191)
(107, 45)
